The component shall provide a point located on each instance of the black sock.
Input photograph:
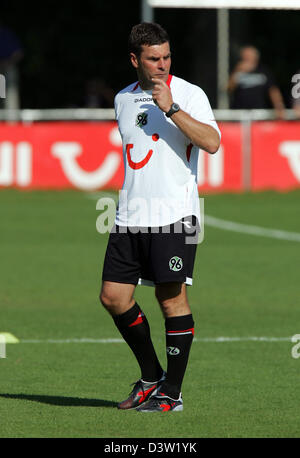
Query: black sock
(179, 337)
(134, 327)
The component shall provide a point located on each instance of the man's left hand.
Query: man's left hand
(162, 95)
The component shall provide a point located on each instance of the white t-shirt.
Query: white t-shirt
(160, 183)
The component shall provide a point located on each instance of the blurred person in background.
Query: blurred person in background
(98, 94)
(251, 85)
(11, 53)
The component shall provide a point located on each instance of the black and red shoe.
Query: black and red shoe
(161, 403)
(141, 392)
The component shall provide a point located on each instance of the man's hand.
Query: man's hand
(162, 95)
(245, 66)
(200, 134)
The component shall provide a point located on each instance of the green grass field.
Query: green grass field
(244, 286)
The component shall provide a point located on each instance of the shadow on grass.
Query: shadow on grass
(61, 400)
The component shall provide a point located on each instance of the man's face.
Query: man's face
(249, 54)
(153, 62)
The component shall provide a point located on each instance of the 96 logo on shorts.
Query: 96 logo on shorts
(175, 263)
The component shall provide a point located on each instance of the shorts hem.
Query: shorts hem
(118, 280)
(144, 282)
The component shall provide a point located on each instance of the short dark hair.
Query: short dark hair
(146, 33)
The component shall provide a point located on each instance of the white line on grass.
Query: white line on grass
(196, 339)
(96, 195)
(249, 229)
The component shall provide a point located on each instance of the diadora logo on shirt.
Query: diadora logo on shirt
(143, 99)
(141, 119)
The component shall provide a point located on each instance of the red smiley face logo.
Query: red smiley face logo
(140, 164)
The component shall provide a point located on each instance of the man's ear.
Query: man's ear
(134, 60)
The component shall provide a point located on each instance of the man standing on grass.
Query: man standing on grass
(163, 121)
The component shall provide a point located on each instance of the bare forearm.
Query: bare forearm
(200, 134)
(232, 82)
(277, 101)
(276, 97)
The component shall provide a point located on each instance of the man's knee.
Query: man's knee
(167, 292)
(172, 299)
(106, 299)
(168, 308)
(110, 303)
(115, 300)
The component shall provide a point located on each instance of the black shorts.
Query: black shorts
(149, 256)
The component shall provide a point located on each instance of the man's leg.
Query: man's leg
(118, 300)
(179, 325)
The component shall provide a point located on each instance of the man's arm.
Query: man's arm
(277, 101)
(200, 134)
(232, 82)
(241, 67)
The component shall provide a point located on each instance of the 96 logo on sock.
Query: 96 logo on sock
(173, 351)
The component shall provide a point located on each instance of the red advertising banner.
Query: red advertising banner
(61, 155)
(88, 156)
(275, 155)
(223, 171)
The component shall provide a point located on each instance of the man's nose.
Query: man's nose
(162, 64)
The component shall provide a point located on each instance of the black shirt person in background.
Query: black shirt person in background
(11, 53)
(251, 85)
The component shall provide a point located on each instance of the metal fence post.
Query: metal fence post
(246, 127)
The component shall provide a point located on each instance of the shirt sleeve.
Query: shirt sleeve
(199, 108)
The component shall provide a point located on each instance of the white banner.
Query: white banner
(250, 4)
